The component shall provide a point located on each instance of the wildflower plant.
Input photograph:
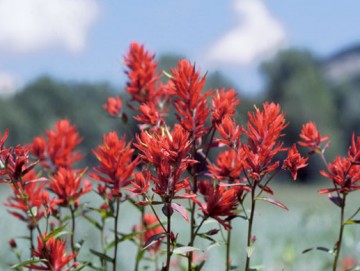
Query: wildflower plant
(207, 166)
(344, 174)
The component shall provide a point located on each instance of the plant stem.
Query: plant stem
(192, 217)
(192, 234)
(32, 248)
(249, 235)
(168, 241)
(116, 232)
(72, 236)
(228, 242)
(143, 228)
(338, 243)
(102, 237)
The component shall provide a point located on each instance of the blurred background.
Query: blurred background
(63, 58)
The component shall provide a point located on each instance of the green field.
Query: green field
(312, 220)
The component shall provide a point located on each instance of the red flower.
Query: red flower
(30, 194)
(54, 252)
(218, 202)
(311, 138)
(354, 150)
(113, 106)
(149, 115)
(15, 163)
(168, 153)
(224, 103)
(344, 174)
(116, 165)
(66, 184)
(3, 139)
(141, 73)
(228, 166)
(58, 149)
(189, 103)
(141, 183)
(264, 129)
(229, 131)
(294, 161)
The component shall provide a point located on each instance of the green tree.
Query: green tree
(294, 78)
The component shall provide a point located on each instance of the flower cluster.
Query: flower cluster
(58, 148)
(206, 165)
(116, 163)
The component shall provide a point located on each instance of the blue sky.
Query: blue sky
(86, 39)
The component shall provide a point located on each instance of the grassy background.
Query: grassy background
(312, 220)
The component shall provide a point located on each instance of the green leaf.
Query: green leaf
(95, 267)
(81, 267)
(101, 255)
(216, 244)
(351, 222)
(29, 262)
(93, 222)
(184, 250)
(140, 255)
(204, 236)
(199, 266)
(55, 233)
(319, 248)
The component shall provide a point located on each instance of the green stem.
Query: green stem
(137, 260)
(228, 243)
(249, 235)
(102, 237)
(116, 232)
(72, 236)
(192, 234)
(168, 233)
(154, 212)
(338, 243)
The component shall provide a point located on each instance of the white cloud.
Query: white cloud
(34, 25)
(8, 83)
(257, 34)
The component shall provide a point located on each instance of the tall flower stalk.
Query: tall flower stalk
(343, 172)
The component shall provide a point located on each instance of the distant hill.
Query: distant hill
(343, 65)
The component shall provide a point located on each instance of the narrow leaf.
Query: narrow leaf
(338, 201)
(204, 236)
(266, 189)
(275, 202)
(350, 222)
(27, 263)
(318, 248)
(55, 232)
(101, 255)
(93, 222)
(250, 251)
(81, 267)
(181, 210)
(153, 239)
